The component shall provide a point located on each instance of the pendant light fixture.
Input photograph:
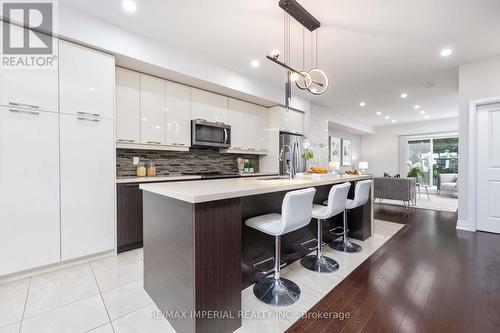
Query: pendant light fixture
(314, 79)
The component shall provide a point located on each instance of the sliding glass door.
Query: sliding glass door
(419, 153)
(434, 155)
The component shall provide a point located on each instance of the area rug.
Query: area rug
(443, 202)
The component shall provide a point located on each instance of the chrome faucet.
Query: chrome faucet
(290, 167)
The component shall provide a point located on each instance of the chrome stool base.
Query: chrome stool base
(320, 264)
(346, 246)
(276, 292)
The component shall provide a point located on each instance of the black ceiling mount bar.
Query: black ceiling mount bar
(298, 12)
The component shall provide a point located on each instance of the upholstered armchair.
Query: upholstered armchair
(447, 182)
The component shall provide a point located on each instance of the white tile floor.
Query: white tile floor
(106, 295)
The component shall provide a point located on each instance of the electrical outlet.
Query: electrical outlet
(136, 160)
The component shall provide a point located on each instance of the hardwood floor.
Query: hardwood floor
(428, 278)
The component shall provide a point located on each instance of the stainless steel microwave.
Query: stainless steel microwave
(208, 134)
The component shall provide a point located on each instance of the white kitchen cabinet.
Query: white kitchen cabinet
(29, 191)
(128, 107)
(208, 106)
(87, 186)
(178, 115)
(248, 127)
(86, 81)
(262, 135)
(29, 88)
(286, 120)
(152, 110)
(238, 118)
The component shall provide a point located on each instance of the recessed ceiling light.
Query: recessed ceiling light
(393, 121)
(129, 6)
(378, 113)
(416, 107)
(446, 52)
(362, 104)
(255, 63)
(404, 95)
(386, 117)
(422, 112)
(426, 117)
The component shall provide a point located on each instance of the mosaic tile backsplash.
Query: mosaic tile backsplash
(174, 162)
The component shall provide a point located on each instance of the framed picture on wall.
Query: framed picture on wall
(335, 149)
(346, 152)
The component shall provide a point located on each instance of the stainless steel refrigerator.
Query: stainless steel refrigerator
(294, 152)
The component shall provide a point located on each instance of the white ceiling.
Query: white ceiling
(372, 50)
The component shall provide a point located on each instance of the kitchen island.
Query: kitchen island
(198, 253)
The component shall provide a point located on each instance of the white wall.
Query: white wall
(478, 80)
(319, 120)
(382, 149)
(355, 148)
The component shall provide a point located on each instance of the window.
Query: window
(434, 156)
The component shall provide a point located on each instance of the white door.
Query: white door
(128, 108)
(35, 88)
(488, 168)
(152, 110)
(86, 81)
(87, 186)
(178, 115)
(29, 190)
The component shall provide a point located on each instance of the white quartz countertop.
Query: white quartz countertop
(128, 180)
(218, 189)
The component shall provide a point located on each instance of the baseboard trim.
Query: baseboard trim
(465, 226)
(54, 266)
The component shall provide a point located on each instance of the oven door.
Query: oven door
(207, 134)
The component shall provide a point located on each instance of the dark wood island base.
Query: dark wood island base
(199, 256)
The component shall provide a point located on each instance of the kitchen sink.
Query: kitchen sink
(274, 178)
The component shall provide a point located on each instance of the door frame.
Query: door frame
(471, 195)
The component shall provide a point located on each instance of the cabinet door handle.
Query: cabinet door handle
(89, 114)
(126, 140)
(25, 111)
(251, 148)
(87, 119)
(236, 147)
(177, 144)
(25, 105)
(154, 142)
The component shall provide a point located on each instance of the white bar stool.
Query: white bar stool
(337, 198)
(361, 196)
(296, 212)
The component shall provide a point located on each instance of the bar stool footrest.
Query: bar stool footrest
(303, 244)
(261, 266)
(332, 231)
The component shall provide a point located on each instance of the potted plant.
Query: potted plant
(417, 172)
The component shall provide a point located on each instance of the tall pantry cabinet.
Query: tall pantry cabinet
(57, 163)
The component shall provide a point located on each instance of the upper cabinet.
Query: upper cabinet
(128, 108)
(208, 106)
(248, 127)
(178, 115)
(152, 110)
(153, 113)
(29, 88)
(86, 79)
(286, 120)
